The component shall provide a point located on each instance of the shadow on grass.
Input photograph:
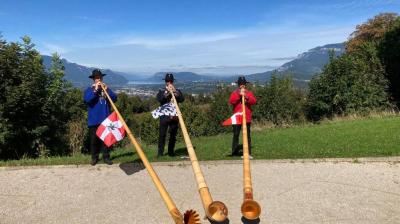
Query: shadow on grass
(239, 153)
(132, 167)
(181, 152)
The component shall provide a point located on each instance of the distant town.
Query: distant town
(150, 90)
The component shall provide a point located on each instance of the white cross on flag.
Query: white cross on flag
(111, 130)
(236, 118)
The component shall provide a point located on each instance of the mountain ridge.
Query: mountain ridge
(302, 69)
(305, 65)
(78, 74)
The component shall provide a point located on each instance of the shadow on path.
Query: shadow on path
(132, 167)
(247, 221)
(214, 222)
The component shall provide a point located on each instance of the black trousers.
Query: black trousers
(235, 139)
(97, 145)
(173, 129)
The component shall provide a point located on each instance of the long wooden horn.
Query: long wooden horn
(215, 210)
(250, 209)
(191, 216)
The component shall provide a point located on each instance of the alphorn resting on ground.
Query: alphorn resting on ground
(250, 209)
(215, 210)
(190, 216)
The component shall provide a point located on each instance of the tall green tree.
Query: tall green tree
(372, 31)
(390, 56)
(55, 109)
(23, 84)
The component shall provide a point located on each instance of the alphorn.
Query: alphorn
(250, 209)
(215, 210)
(190, 216)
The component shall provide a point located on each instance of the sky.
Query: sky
(204, 36)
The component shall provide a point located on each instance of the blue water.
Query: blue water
(143, 83)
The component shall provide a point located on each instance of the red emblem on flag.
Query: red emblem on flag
(111, 130)
(236, 118)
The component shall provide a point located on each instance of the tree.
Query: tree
(353, 83)
(372, 31)
(24, 81)
(389, 52)
(55, 110)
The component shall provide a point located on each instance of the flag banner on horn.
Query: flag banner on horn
(236, 118)
(111, 130)
(167, 109)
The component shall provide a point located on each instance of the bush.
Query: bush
(195, 117)
(219, 110)
(147, 129)
(351, 83)
(279, 102)
(77, 134)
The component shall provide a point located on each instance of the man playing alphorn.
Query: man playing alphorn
(171, 122)
(98, 111)
(236, 101)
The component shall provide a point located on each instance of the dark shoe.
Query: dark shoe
(108, 161)
(94, 162)
(171, 154)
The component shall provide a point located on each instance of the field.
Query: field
(331, 139)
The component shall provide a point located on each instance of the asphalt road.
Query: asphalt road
(288, 192)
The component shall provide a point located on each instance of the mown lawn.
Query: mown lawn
(347, 138)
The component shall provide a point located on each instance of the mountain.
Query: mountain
(78, 74)
(305, 66)
(183, 77)
(302, 69)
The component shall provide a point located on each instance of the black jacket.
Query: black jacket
(164, 96)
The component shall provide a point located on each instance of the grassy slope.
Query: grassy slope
(352, 138)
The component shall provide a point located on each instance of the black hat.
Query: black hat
(242, 80)
(169, 77)
(96, 72)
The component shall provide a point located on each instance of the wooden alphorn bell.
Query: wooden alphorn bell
(190, 216)
(215, 210)
(250, 209)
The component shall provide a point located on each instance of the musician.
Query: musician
(98, 110)
(236, 101)
(164, 96)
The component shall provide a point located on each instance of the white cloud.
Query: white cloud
(246, 49)
(171, 41)
(49, 48)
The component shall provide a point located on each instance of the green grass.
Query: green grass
(346, 138)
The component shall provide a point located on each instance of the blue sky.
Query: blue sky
(205, 36)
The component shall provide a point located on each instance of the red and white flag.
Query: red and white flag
(236, 118)
(111, 130)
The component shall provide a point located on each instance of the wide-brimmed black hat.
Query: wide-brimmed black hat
(96, 72)
(242, 80)
(169, 77)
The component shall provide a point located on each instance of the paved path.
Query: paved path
(289, 192)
